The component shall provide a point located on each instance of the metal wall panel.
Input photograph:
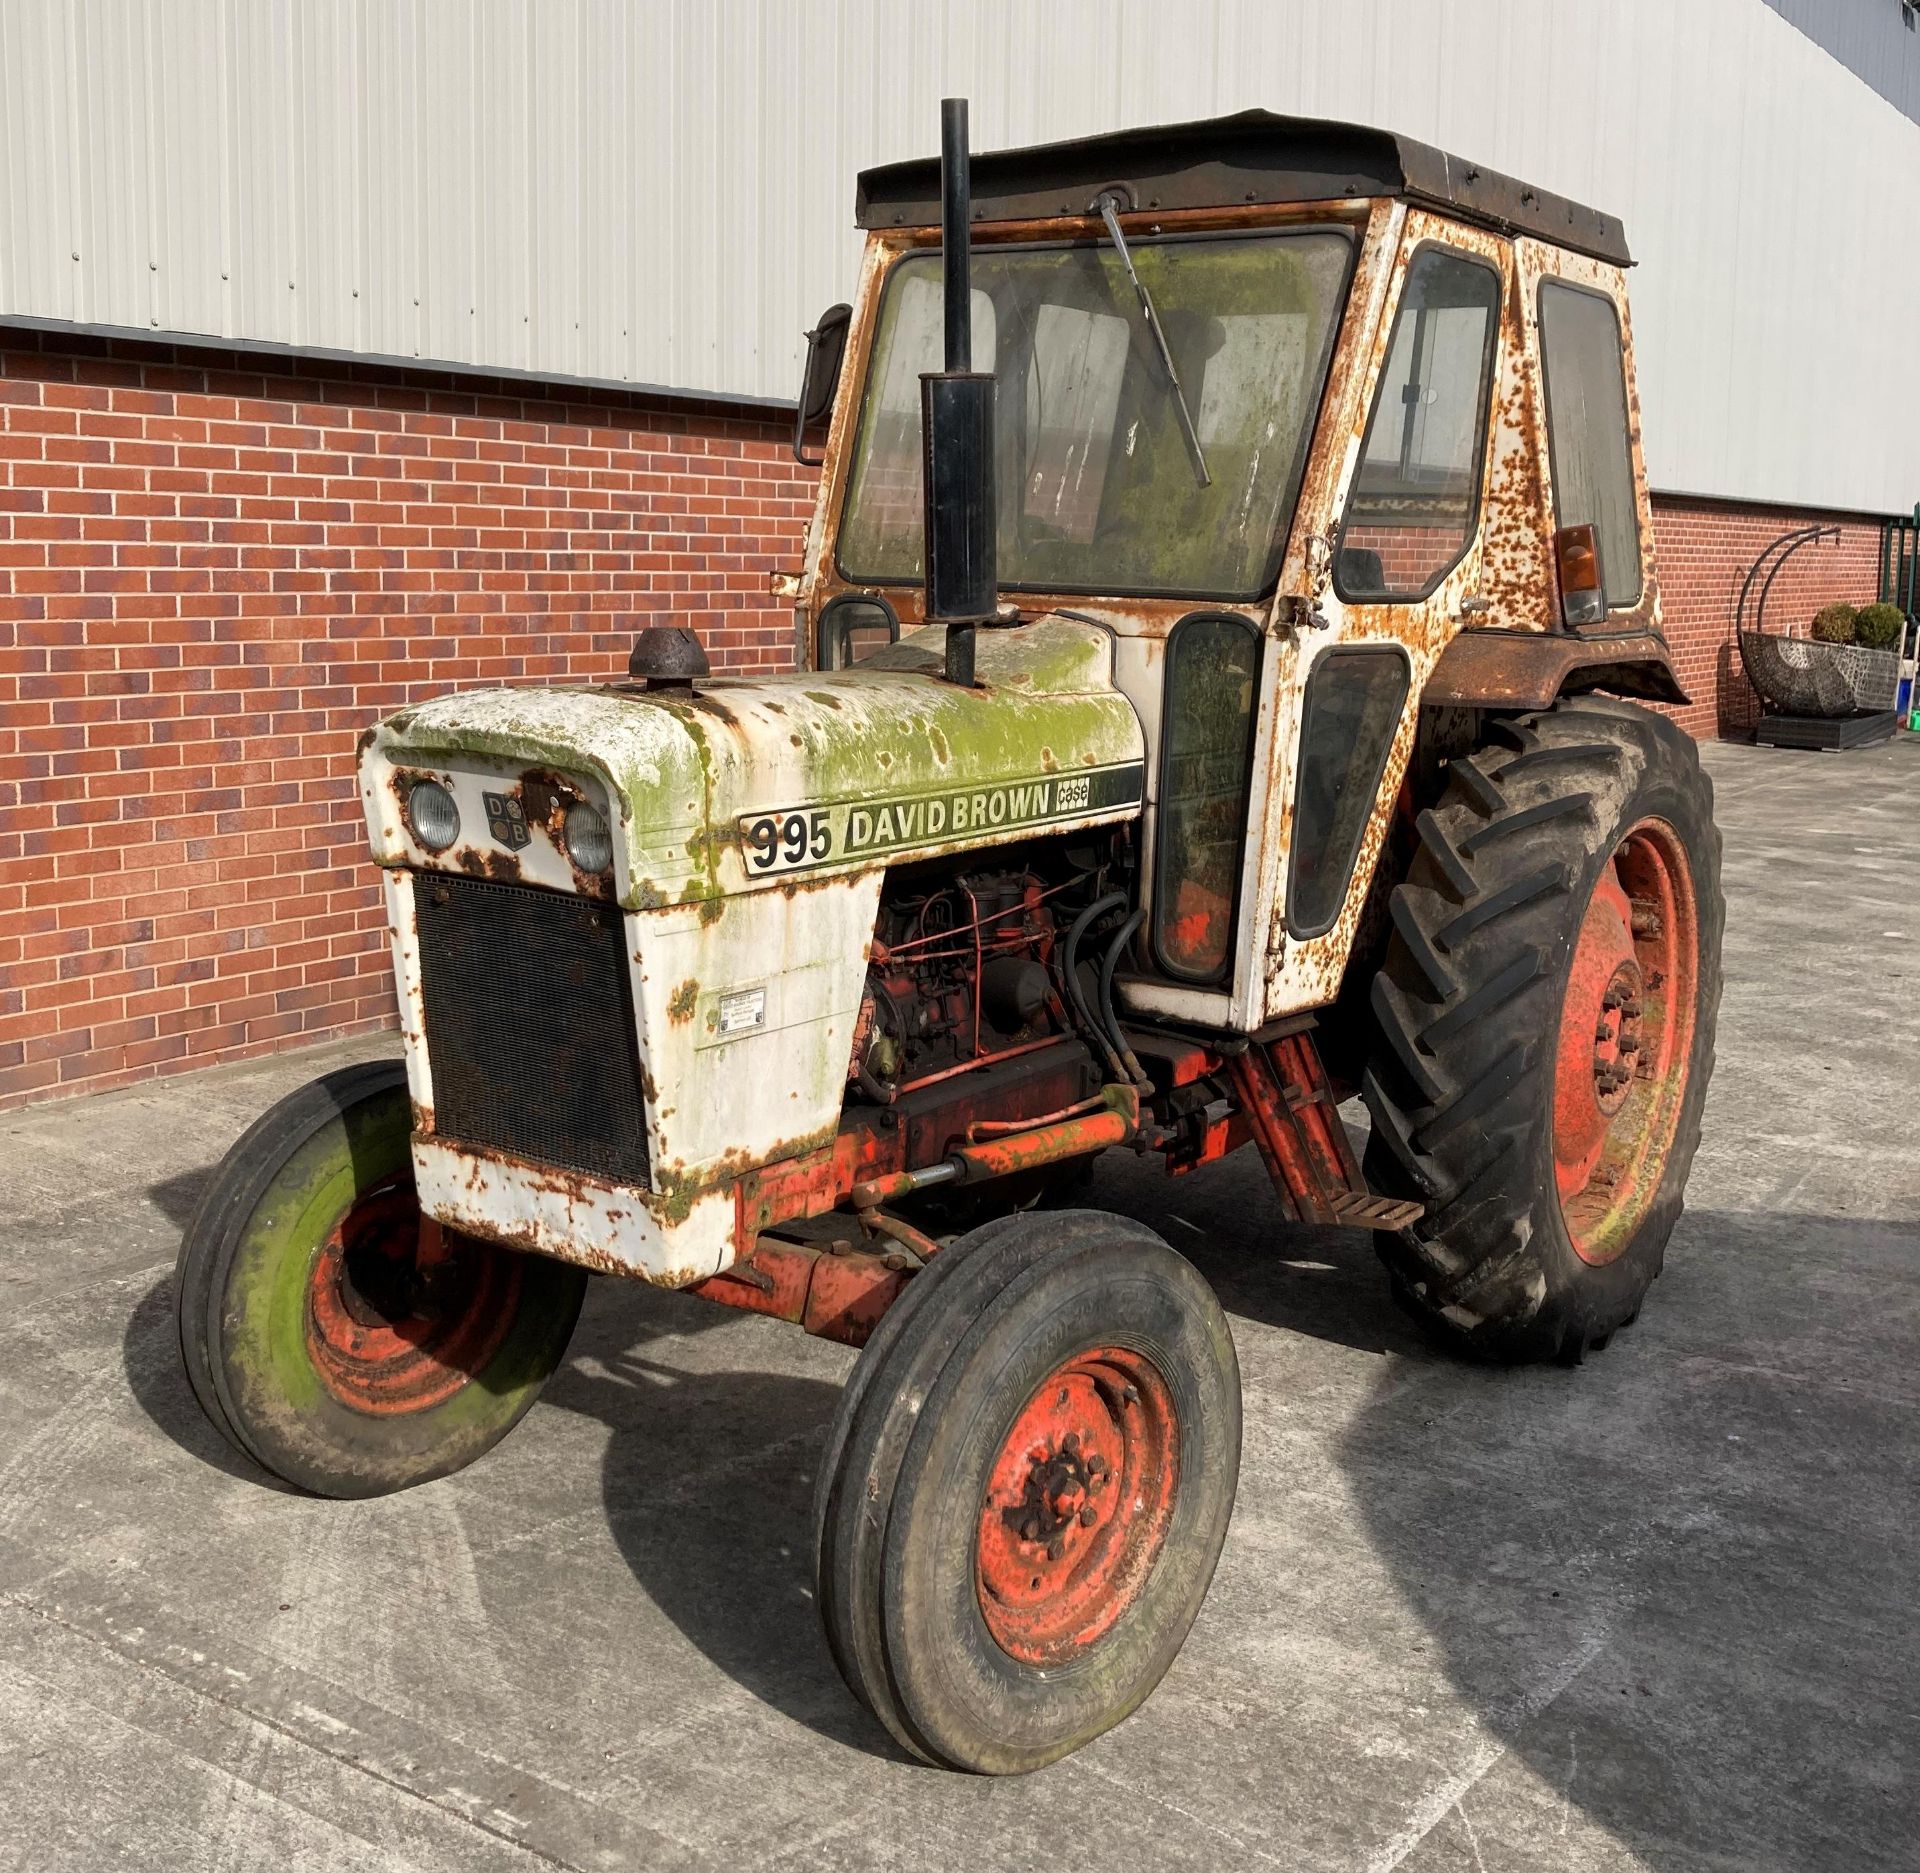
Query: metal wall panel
(1878, 40)
(658, 192)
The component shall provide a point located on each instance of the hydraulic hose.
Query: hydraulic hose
(1090, 1028)
(1108, 963)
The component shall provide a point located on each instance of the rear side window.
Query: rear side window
(1206, 754)
(1587, 440)
(1416, 493)
(1353, 704)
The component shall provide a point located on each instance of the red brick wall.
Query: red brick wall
(1705, 548)
(1409, 555)
(215, 572)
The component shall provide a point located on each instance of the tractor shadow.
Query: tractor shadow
(1675, 1582)
(1325, 1283)
(150, 1359)
(708, 1483)
(150, 1352)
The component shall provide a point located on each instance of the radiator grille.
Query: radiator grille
(530, 1031)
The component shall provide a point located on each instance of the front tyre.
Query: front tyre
(333, 1334)
(1545, 1026)
(1027, 1490)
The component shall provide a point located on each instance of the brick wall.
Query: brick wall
(1705, 548)
(215, 572)
(1410, 556)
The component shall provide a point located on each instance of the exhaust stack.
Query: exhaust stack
(956, 429)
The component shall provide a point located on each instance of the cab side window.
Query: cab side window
(1416, 495)
(1354, 701)
(1589, 448)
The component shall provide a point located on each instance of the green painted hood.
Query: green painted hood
(748, 782)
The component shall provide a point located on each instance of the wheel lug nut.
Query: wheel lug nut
(1096, 1465)
(1055, 1549)
(1030, 1529)
(1070, 1444)
(1086, 1516)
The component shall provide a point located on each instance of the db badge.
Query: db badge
(507, 820)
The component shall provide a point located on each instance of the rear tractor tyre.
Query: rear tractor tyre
(333, 1334)
(1026, 1489)
(1544, 1027)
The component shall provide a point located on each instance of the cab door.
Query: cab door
(1402, 553)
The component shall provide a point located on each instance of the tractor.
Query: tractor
(1224, 640)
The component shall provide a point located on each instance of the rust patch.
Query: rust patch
(547, 798)
(501, 867)
(680, 1004)
(1527, 670)
(833, 1296)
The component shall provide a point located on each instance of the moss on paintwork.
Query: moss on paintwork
(680, 1004)
(682, 777)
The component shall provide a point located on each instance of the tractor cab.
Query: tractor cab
(1319, 425)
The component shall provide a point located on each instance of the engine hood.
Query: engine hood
(751, 783)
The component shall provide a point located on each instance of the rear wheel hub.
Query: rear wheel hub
(1626, 1038)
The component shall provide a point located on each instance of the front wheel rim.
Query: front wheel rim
(401, 1314)
(1078, 1505)
(1625, 1046)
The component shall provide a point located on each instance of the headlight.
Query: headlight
(432, 814)
(589, 844)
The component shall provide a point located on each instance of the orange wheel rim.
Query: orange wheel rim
(1077, 1506)
(1625, 1041)
(401, 1313)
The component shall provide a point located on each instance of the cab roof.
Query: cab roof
(1254, 158)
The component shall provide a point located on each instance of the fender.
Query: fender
(1528, 669)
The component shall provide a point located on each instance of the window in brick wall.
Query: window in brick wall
(1416, 494)
(1587, 439)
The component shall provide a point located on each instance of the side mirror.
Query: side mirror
(826, 351)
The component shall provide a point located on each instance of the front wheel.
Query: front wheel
(334, 1334)
(1545, 1024)
(1026, 1489)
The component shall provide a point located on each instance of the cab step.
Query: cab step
(1283, 1092)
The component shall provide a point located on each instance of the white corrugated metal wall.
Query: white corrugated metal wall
(659, 192)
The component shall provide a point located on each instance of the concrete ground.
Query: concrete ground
(1657, 1612)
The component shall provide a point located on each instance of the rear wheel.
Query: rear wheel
(1545, 1023)
(1026, 1489)
(331, 1332)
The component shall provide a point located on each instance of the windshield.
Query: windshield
(1096, 483)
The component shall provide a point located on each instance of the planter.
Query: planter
(1801, 676)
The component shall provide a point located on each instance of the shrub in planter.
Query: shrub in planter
(1833, 624)
(1878, 626)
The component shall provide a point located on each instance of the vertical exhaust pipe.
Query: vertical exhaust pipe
(956, 429)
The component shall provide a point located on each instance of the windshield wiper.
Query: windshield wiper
(1108, 203)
